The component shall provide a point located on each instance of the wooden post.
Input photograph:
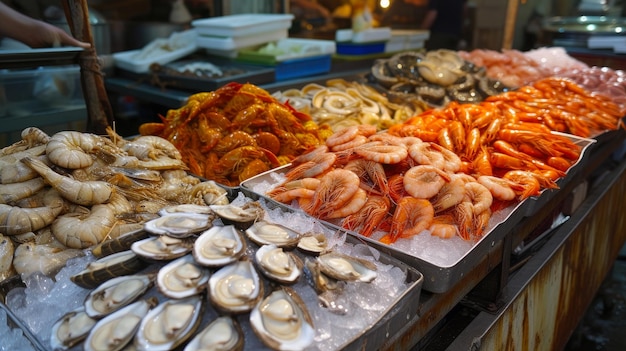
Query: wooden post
(99, 111)
(509, 24)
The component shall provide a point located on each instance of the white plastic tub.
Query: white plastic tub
(242, 25)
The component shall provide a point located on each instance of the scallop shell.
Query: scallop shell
(182, 278)
(108, 267)
(116, 293)
(116, 330)
(281, 266)
(235, 288)
(219, 246)
(266, 233)
(70, 329)
(347, 268)
(223, 333)
(169, 324)
(313, 244)
(282, 321)
(239, 216)
(162, 248)
(179, 224)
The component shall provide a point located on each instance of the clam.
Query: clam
(186, 208)
(182, 278)
(116, 293)
(116, 330)
(281, 266)
(282, 321)
(235, 288)
(108, 267)
(239, 216)
(219, 246)
(223, 333)
(170, 324)
(162, 247)
(348, 268)
(313, 243)
(70, 329)
(265, 233)
(179, 224)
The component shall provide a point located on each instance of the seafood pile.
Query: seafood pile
(72, 190)
(236, 132)
(436, 77)
(343, 104)
(241, 281)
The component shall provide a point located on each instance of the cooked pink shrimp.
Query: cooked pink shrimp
(310, 155)
(424, 181)
(411, 217)
(342, 136)
(287, 196)
(318, 165)
(354, 142)
(464, 216)
(443, 226)
(450, 194)
(479, 196)
(351, 207)
(369, 217)
(424, 154)
(336, 188)
(370, 172)
(452, 161)
(387, 154)
(500, 188)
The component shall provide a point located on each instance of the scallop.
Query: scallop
(279, 265)
(282, 321)
(348, 268)
(235, 288)
(162, 248)
(179, 224)
(116, 293)
(265, 233)
(239, 216)
(169, 324)
(116, 330)
(223, 333)
(313, 243)
(219, 246)
(70, 329)
(108, 267)
(182, 278)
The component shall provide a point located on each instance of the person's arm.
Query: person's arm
(32, 32)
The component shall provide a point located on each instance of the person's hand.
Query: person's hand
(48, 35)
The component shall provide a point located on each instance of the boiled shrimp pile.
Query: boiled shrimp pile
(236, 132)
(72, 190)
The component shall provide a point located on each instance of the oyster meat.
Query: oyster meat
(313, 244)
(108, 267)
(224, 333)
(282, 321)
(182, 278)
(70, 329)
(266, 233)
(279, 265)
(169, 324)
(179, 224)
(186, 208)
(162, 247)
(348, 268)
(219, 246)
(116, 293)
(239, 216)
(235, 288)
(116, 330)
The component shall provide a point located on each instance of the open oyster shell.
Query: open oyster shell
(313, 243)
(169, 324)
(219, 246)
(344, 267)
(279, 265)
(116, 293)
(235, 288)
(70, 329)
(116, 330)
(182, 278)
(282, 321)
(239, 216)
(186, 208)
(266, 233)
(108, 267)
(179, 224)
(224, 333)
(162, 247)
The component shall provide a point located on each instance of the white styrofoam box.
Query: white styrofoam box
(234, 43)
(343, 35)
(293, 48)
(605, 42)
(242, 24)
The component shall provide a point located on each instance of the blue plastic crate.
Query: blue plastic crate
(302, 67)
(350, 48)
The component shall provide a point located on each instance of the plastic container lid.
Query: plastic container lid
(242, 24)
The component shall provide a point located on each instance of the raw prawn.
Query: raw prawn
(72, 149)
(80, 230)
(15, 220)
(15, 191)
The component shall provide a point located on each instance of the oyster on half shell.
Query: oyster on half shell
(275, 263)
(182, 278)
(282, 321)
(219, 246)
(179, 224)
(162, 247)
(186, 208)
(348, 268)
(235, 288)
(71, 329)
(116, 293)
(313, 243)
(224, 333)
(240, 216)
(169, 324)
(266, 233)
